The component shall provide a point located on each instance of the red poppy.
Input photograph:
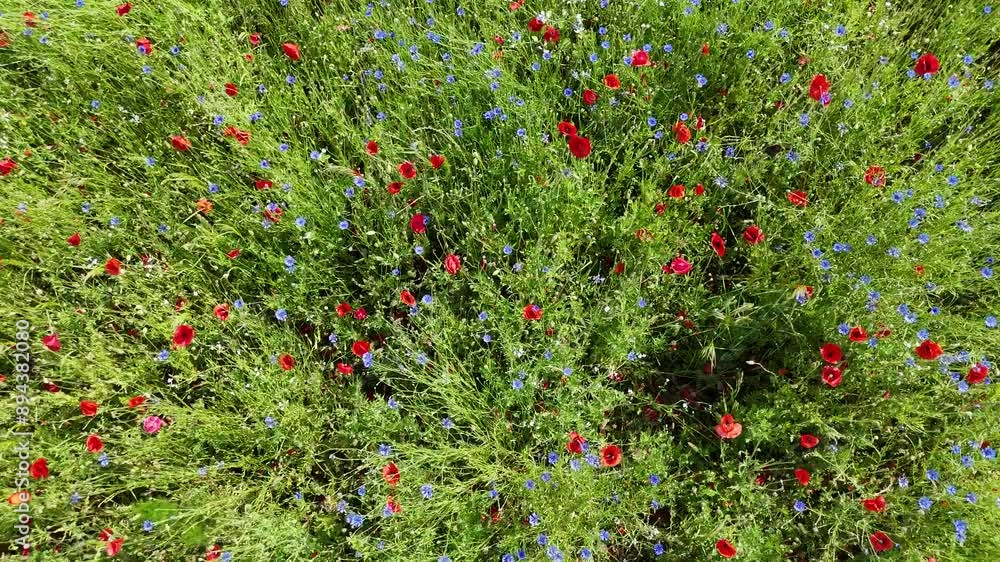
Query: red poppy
(255, 39)
(798, 198)
(74, 240)
(681, 132)
(51, 342)
(221, 311)
(875, 175)
(704, 49)
(926, 64)
(417, 224)
(640, 58)
(881, 542)
(551, 34)
(567, 129)
(452, 263)
(876, 504)
(231, 89)
(105, 534)
(803, 476)
(407, 298)
(263, 184)
(725, 548)
(144, 45)
(291, 50)
(286, 362)
(680, 266)
(360, 348)
(39, 469)
(699, 123)
(408, 170)
(612, 81)
(532, 312)
(832, 376)
(94, 444)
(929, 350)
(88, 408)
(718, 244)
(436, 161)
(113, 267)
(180, 143)
(808, 441)
(213, 553)
(136, 401)
(589, 97)
(114, 547)
(390, 473)
(676, 191)
(183, 335)
(371, 147)
(394, 187)
(7, 166)
(699, 189)
(579, 146)
(535, 25)
(753, 235)
(344, 368)
(360, 314)
(977, 374)
(343, 309)
(727, 427)
(818, 87)
(830, 352)
(575, 443)
(233, 254)
(857, 334)
(611, 455)
(123, 9)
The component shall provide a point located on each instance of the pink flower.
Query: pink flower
(152, 424)
(680, 266)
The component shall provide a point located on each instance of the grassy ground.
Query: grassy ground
(270, 434)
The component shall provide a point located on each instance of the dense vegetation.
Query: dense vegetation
(610, 280)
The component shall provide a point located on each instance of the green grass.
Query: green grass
(267, 463)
